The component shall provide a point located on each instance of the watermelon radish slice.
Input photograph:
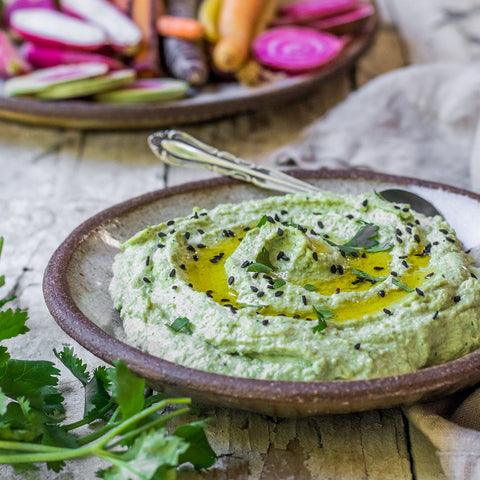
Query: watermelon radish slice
(41, 79)
(315, 9)
(123, 34)
(296, 49)
(10, 7)
(41, 56)
(89, 86)
(11, 62)
(49, 27)
(146, 91)
(343, 23)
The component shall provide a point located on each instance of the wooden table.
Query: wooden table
(52, 179)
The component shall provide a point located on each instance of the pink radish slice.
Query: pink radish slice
(344, 19)
(41, 56)
(315, 9)
(11, 62)
(48, 27)
(123, 34)
(295, 49)
(46, 77)
(11, 7)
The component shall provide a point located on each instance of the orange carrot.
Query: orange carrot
(236, 24)
(145, 14)
(180, 27)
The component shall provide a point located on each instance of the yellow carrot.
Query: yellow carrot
(208, 14)
(236, 23)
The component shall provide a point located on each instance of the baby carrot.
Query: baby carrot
(180, 27)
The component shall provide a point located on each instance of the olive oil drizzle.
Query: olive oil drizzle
(210, 277)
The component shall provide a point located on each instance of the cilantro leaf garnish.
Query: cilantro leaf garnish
(259, 268)
(278, 282)
(363, 240)
(309, 287)
(264, 258)
(367, 276)
(133, 436)
(181, 325)
(400, 284)
(262, 222)
(322, 315)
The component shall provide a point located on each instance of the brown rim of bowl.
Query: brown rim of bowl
(90, 115)
(395, 388)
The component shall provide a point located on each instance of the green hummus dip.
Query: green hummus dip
(300, 287)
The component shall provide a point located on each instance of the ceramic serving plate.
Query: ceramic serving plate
(76, 291)
(212, 101)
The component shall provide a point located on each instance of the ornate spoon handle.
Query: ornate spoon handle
(179, 148)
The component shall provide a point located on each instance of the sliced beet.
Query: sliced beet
(41, 56)
(344, 23)
(48, 27)
(46, 77)
(296, 49)
(122, 32)
(89, 86)
(146, 91)
(315, 9)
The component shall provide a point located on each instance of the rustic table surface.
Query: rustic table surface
(53, 179)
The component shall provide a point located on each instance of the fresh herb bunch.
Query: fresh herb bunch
(127, 428)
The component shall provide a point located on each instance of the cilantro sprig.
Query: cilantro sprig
(127, 427)
(367, 276)
(322, 315)
(364, 240)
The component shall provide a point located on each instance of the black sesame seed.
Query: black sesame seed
(315, 256)
(277, 218)
(409, 230)
(245, 264)
(190, 285)
(364, 255)
(429, 275)
(387, 311)
(337, 290)
(187, 235)
(265, 322)
(357, 346)
(209, 293)
(457, 298)
(349, 216)
(304, 299)
(170, 222)
(225, 233)
(172, 231)
(449, 239)
(224, 300)
(174, 287)
(420, 292)
(270, 219)
(182, 266)
(280, 255)
(354, 254)
(296, 316)
(378, 268)
(213, 260)
(333, 269)
(357, 281)
(393, 273)
(146, 280)
(399, 240)
(473, 275)
(200, 231)
(231, 280)
(285, 258)
(326, 235)
(435, 315)
(279, 232)
(147, 261)
(201, 245)
(444, 231)
(365, 203)
(402, 256)
(342, 252)
(231, 233)
(283, 212)
(195, 258)
(396, 207)
(161, 234)
(255, 275)
(246, 229)
(278, 293)
(340, 269)
(399, 232)
(191, 248)
(417, 221)
(405, 264)
(405, 209)
(320, 224)
(204, 214)
(313, 232)
(381, 293)
(160, 245)
(233, 309)
(172, 273)
(253, 288)
(416, 238)
(260, 294)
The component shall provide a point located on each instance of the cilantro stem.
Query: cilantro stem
(101, 431)
(58, 454)
(89, 418)
(29, 447)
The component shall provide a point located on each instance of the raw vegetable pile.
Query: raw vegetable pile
(133, 51)
(127, 427)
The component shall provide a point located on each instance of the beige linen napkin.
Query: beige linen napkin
(453, 426)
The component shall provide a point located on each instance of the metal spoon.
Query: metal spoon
(179, 148)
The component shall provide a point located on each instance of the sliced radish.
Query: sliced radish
(315, 9)
(41, 56)
(10, 7)
(343, 23)
(48, 27)
(37, 81)
(123, 34)
(296, 49)
(89, 86)
(11, 62)
(147, 90)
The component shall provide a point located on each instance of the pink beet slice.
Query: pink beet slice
(10, 7)
(48, 27)
(89, 86)
(11, 62)
(295, 49)
(341, 23)
(315, 9)
(123, 34)
(41, 56)
(146, 91)
(46, 77)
